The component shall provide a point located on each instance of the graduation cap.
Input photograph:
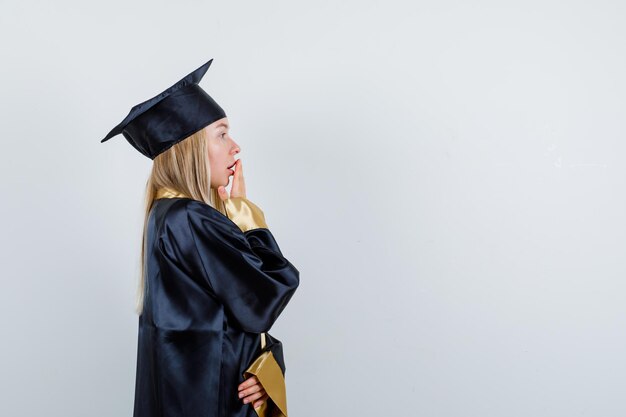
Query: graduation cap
(159, 123)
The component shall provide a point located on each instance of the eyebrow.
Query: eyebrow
(222, 124)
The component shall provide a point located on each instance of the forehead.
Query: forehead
(222, 123)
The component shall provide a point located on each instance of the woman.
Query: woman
(213, 278)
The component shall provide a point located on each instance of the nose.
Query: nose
(236, 148)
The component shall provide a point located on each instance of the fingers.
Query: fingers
(221, 191)
(249, 386)
(248, 382)
(251, 390)
(261, 401)
(254, 396)
(239, 186)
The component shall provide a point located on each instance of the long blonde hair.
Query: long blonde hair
(184, 168)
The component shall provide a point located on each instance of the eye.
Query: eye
(223, 134)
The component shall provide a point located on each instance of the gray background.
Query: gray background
(448, 177)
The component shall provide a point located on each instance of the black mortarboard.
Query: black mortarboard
(157, 124)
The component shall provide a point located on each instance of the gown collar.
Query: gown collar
(165, 192)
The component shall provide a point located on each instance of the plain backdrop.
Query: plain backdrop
(448, 177)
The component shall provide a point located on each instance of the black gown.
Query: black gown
(213, 284)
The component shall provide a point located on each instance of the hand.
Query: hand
(239, 186)
(251, 390)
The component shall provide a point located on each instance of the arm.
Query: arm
(269, 367)
(242, 263)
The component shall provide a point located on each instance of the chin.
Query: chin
(215, 184)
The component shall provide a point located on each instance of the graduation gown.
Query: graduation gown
(213, 285)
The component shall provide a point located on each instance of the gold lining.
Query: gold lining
(241, 211)
(165, 192)
(271, 377)
(244, 213)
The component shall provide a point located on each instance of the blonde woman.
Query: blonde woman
(213, 279)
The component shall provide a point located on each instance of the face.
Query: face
(222, 151)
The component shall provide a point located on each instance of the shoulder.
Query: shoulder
(200, 212)
(174, 208)
(184, 215)
(189, 225)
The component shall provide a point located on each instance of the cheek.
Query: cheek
(218, 153)
(214, 154)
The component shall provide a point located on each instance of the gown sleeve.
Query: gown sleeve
(269, 368)
(241, 262)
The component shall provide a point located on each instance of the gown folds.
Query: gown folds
(214, 286)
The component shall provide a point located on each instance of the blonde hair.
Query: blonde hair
(184, 168)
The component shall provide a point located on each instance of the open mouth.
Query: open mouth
(230, 168)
